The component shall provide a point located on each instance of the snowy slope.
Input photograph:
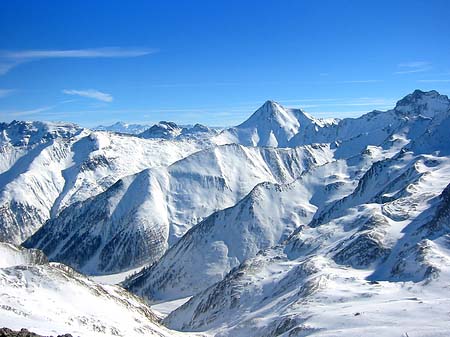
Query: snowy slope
(54, 299)
(381, 251)
(273, 296)
(51, 172)
(352, 265)
(270, 212)
(265, 217)
(134, 221)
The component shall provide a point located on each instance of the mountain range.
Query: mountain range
(285, 225)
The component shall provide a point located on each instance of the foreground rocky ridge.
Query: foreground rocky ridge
(5, 332)
(49, 298)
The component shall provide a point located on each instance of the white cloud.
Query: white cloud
(413, 67)
(90, 93)
(11, 59)
(76, 53)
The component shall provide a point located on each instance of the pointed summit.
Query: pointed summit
(270, 107)
(272, 111)
(273, 125)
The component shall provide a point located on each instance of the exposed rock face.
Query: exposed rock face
(5, 332)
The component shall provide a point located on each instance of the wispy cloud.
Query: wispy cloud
(11, 59)
(5, 92)
(413, 67)
(434, 81)
(7, 65)
(76, 53)
(90, 93)
(29, 112)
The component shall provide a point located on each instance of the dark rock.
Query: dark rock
(5, 332)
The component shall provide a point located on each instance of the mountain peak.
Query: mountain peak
(272, 112)
(270, 104)
(425, 103)
(270, 107)
(419, 95)
(163, 129)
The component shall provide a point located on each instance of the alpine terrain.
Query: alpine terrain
(284, 225)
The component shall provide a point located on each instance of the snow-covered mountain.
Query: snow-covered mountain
(20, 133)
(58, 164)
(54, 299)
(267, 216)
(134, 221)
(371, 252)
(379, 252)
(270, 212)
(164, 130)
(170, 130)
(46, 167)
(285, 225)
(161, 130)
(122, 127)
(275, 126)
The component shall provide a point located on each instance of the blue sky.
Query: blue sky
(215, 62)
